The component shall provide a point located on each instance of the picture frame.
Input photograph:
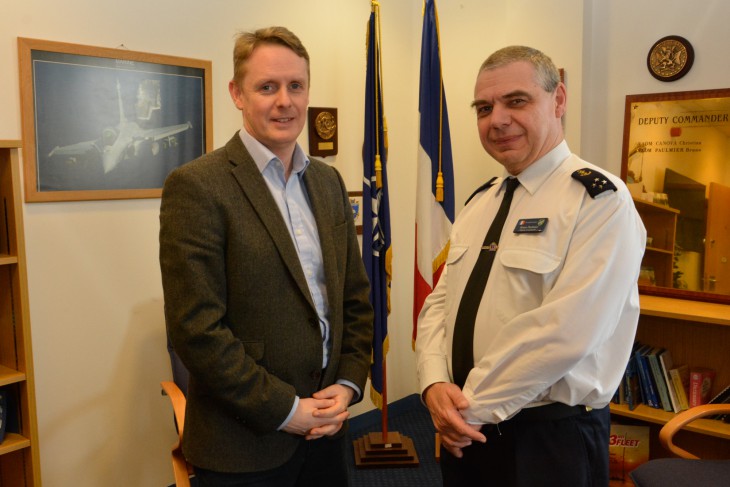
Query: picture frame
(103, 124)
(356, 203)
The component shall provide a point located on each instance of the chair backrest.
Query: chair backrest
(180, 467)
(666, 434)
(180, 374)
(177, 390)
(688, 470)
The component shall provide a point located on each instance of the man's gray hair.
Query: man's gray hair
(547, 74)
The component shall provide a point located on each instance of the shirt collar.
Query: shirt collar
(536, 174)
(262, 156)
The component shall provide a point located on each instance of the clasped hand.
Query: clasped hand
(322, 414)
(445, 401)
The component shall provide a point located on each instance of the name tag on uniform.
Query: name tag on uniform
(531, 225)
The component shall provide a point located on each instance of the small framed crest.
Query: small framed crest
(670, 58)
(356, 203)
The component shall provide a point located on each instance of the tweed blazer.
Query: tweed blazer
(239, 312)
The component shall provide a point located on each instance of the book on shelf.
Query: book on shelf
(723, 397)
(659, 382)
(700, 385)
(648, 388)
(666, 363)
(11, 410)
(631, 387)
(3, 412)
(618, 396)
(680, 380)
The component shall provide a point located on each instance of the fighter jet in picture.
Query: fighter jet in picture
(124, 141)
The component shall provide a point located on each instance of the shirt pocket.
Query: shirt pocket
(536, 261)
(528, 275)
(454, 267)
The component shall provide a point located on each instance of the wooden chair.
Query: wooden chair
(177, 390)
(666, 435)
(687, 470)
(180, 467)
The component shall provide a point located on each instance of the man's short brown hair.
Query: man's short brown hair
(246, 42)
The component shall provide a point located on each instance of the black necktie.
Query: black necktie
(462, 356)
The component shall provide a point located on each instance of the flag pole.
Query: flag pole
(378, 66)
(384, 409)
(385, 448)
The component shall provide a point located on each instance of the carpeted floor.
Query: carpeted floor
(410, 418)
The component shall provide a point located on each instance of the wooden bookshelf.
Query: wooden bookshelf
(682, 309)
(697, 334)
(19, 454)
(642, 412)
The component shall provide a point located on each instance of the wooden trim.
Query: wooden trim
(145, 140)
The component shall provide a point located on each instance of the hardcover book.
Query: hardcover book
(3, 413)
(666, 363)
(680, 380)
(723, 397)
(700, 385)
(631, 386)
(659, 382)
(648, 388)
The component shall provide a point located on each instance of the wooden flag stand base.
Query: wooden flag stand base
(372, 452)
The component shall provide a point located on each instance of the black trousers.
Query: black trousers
(536, 452)
(316, 463)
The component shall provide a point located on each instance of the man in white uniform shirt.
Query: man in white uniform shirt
(554, 326)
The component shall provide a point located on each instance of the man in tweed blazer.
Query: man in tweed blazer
(266, 296)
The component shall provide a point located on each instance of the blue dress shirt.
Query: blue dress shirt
(293, 202)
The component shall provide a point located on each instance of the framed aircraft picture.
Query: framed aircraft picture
(102, 123)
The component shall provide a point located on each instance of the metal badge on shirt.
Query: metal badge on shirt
(531, 225)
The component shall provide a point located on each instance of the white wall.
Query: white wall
(619, 35)
(96, 299)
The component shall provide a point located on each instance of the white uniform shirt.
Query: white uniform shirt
(560, 309)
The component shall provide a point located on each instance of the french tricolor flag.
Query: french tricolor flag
(435, 182)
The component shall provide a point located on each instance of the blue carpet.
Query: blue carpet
(410, 418)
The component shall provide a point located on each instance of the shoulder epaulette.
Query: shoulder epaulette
(481, 188)
(595, 182)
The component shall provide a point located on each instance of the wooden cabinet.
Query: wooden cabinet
(661, 229)
(19, 456)
(697, 334)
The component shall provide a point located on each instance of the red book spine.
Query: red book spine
(700, 386)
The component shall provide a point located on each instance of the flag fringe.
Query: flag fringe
(376, 396)
(439, 260)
